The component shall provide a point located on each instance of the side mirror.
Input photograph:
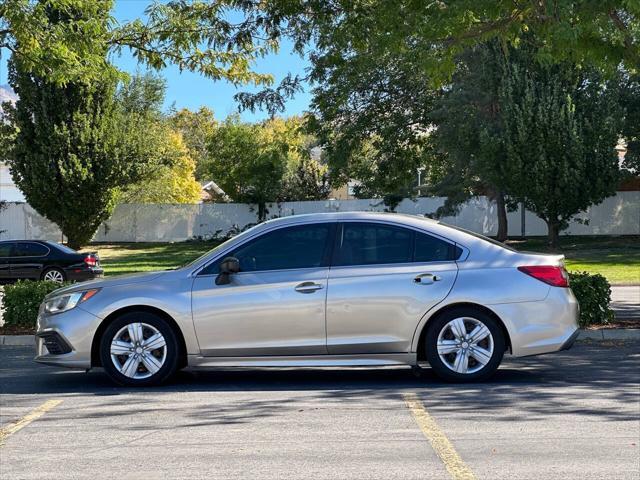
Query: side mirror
(228, 266)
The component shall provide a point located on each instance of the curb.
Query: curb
(601, 335)
(610, 334)
(18, 340)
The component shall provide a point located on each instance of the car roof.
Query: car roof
(342, 216)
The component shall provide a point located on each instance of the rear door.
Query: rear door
(28, 259)
(383, 279)
(5, 253)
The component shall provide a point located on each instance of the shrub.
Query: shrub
(22, 300)
(594, 295)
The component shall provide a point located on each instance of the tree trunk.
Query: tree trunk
(262, 212)
(503, 225)
(553, 227)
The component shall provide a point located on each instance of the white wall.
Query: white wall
(8, 190)
(618, 215)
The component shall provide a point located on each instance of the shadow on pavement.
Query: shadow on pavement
(537, 387)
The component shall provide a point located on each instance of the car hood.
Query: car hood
(109, 282)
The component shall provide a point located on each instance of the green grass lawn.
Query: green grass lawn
(617, 258)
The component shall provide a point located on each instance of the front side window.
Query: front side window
(27, 249)
(370, 244)
(302, 246)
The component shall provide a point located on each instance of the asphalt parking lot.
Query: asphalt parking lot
(574, 414)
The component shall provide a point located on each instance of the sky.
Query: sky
(191, 90)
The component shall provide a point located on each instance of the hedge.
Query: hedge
(594, 296)
(22, 301)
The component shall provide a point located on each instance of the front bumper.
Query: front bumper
(72, 336)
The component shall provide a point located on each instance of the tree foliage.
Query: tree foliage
(373, 122)
(195, 35)
(266, 162)
(196, 129)
(172, 179)
(561, 128)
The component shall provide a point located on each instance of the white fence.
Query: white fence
(618, 215)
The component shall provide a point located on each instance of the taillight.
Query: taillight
(90, 261)
(555, 276)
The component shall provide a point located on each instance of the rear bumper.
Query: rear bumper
(545, 326)
(81, 275)
(570, 341)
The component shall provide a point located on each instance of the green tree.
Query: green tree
(561, 128)
(197, 35)
(263, 163)
(196, 129)
(73, 147)
(172, 179)
(373, 122)
(469, 148)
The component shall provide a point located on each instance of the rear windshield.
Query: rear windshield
(62, 247)
(481, 237)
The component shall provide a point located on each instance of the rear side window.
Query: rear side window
(370, 244)
(28, 249)
(432, 249)
(296, 247)
(362, 243)
(5, 249)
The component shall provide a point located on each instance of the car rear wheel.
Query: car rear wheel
(54, 275)
(139, 349)
(464, 345)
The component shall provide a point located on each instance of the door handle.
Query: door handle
(426, 278)
(308, 287)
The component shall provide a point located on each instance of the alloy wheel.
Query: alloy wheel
(138, 350)
(54, 276)
(465, 345)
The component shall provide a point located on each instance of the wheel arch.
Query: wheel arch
(420, 350)
(95, 345)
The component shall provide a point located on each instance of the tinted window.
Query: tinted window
(293, 247)
(369, 244)
(5, 249)
(62, 247)
(27, 249)
(431, 249)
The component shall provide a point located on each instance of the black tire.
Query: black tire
(54, 269)
(441, 369)
(170, 364)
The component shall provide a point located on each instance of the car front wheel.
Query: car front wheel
(139, 349)
(464, 345)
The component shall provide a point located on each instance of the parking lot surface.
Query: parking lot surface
(574, 414)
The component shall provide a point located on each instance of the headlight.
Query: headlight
(62, 303)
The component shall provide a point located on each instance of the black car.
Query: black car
(40, 260)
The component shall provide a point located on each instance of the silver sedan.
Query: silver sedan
(340, 289)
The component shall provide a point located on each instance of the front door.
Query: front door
(384, 278)
(275, 305)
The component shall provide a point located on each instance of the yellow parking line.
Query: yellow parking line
(439, 441)
(27, 419)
